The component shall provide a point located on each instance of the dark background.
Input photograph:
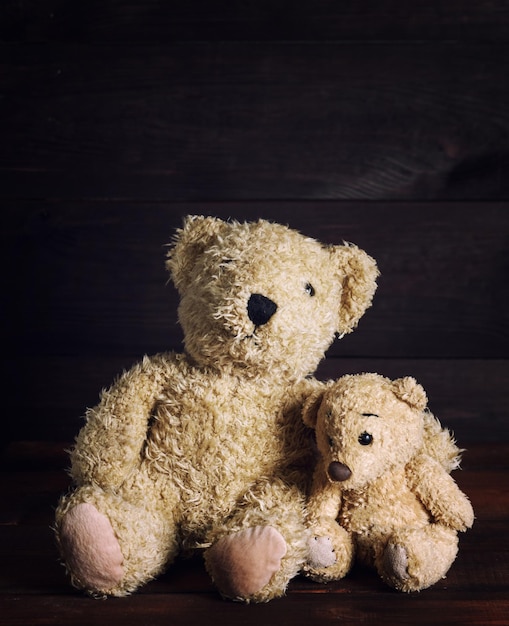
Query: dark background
(381, 123)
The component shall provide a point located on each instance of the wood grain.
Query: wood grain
(255, 121)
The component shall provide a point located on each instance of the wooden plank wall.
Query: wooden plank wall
(381, 123)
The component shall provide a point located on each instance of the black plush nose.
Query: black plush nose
(339, 471)
(260, 309)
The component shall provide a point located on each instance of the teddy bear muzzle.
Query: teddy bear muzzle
(339, 472)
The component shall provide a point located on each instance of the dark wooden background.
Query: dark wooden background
(384, 123)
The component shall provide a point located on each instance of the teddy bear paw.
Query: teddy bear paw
(91, 549)
(321, 552)
(330, 552)
(395, 562)
(242, 563)
(462, 515)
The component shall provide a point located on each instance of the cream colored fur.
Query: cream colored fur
(381, 488)
(206, 449)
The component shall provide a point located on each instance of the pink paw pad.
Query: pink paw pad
(244, 562)
(91, 548)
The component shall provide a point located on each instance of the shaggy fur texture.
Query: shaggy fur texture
(207, 449)
(383, 475)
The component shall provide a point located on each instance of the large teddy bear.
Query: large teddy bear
(206, 449)
(382, 488)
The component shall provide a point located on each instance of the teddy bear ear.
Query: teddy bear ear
(408, 390)
(190, 241)
(311, 407)
(358, 273)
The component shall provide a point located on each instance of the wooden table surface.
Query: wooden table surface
(34, 589)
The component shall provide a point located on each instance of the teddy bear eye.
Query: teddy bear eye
(309, 289)
(224, 263)
(365, 439)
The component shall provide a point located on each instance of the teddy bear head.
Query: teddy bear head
(261, 297)
(367, 425)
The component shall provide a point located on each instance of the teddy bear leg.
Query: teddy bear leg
(330, 552)
(263, 546)
(109, 546)
(416, 559)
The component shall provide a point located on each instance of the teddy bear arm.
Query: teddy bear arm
(109, 444)
(439, 493)
(324, 500)
(330, 547)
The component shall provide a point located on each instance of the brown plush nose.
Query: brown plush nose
(260, 309)
(339, 471)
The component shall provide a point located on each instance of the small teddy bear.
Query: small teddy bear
(381, 488)
(206, 449)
